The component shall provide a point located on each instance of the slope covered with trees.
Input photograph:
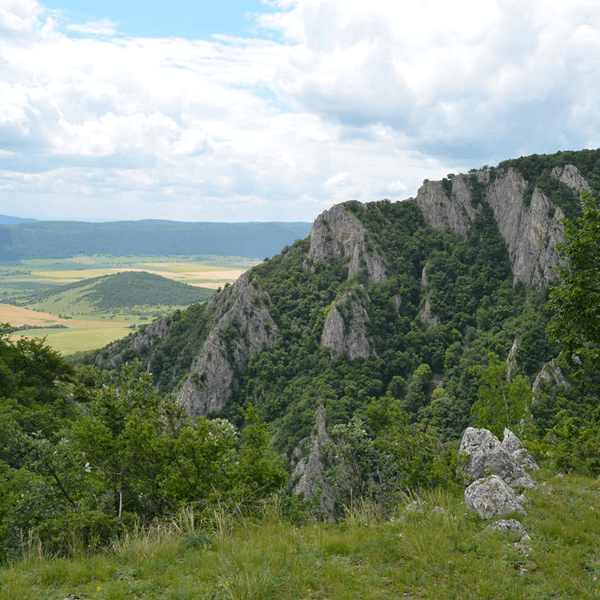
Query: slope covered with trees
(404, 332)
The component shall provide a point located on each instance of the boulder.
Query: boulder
(491, 498)
(486, 455)
(513, 445)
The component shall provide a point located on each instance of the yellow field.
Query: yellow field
(80, 336)
(18, 316)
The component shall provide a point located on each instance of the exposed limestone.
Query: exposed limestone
(530, 232)
(148, 337)
(492, 498)
(309, 464)
(513, 445)
(243, 327)
(511, 359)
(345, 329)
(336, 234)
(571, 177)
(507, 525)
(551, 373)
(153, 332)
(487, 455)
(430, 320)
(441, 212)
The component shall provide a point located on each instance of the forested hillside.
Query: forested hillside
(404, 302)
(124, 290)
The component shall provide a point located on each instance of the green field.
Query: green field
(70, 341)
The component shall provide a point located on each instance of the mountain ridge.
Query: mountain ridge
(384, 298)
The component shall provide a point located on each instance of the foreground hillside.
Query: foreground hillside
(436, 550)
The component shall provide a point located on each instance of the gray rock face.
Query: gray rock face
(530, 232)
(337, 233)
(429, 319)
(152, 333)
(491, 498)
(441, 212)
(487, 455)
(310, 458)
(243, 310)
(571, 177)
(345, 329)
(551, 373)
(507, 525)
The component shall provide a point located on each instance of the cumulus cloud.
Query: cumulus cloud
(350, 100)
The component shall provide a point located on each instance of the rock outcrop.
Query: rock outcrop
(309, 464)
(552, 374)
(455, 212)
(151, 333)
(497, 468)
(345, 329)
(571, 177)
(243, 327)
(530, 231)
(487, 455)
(337, 234)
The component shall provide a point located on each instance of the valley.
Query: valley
(34, 289)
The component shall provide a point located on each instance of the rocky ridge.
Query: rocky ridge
(243, 327)
(531, 231)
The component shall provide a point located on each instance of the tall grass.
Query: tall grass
(430, 547)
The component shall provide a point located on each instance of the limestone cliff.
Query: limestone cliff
(345, 329)
(337, 235)
(243, 327)
(530, 231)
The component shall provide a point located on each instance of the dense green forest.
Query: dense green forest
(86, 454)
(63, 239)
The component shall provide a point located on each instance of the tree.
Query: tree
(576, 299)
(501, 402)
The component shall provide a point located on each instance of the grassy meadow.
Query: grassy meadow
(437, 552)
(83, 326)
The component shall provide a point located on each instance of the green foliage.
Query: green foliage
(83, 455)
(502, 402)
(575, 301)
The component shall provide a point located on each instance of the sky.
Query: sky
(274, 110)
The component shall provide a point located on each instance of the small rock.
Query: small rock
(507, 525)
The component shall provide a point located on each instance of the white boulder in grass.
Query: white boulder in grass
(491, 498)
(486, 455)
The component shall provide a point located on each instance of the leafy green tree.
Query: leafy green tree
(501, 402)
(576, 299)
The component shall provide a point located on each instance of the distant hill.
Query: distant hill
(127, 290)
(6, 220)
(64, 239)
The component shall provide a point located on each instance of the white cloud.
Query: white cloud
(104, 27)
(359, 100)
